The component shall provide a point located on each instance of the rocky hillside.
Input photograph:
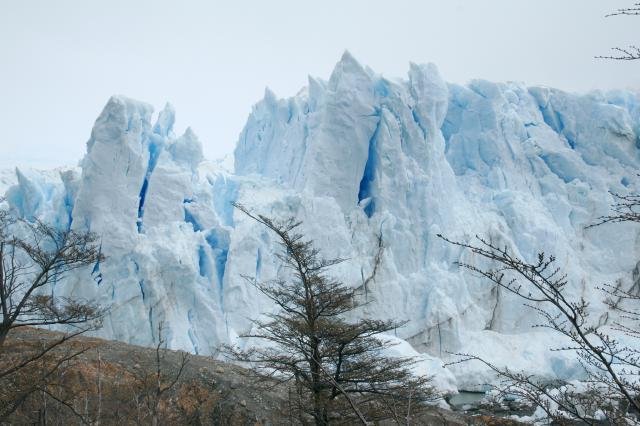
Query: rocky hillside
(116, 383)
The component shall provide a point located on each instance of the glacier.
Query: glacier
(354, 157)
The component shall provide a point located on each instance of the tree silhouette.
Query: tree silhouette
(334, 366)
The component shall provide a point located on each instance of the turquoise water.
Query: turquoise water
(464, 398)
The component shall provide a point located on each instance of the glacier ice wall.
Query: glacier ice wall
(354, 156)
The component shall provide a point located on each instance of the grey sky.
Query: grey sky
(61, 60)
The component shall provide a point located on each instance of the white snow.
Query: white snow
(7, 179)
(352, 157)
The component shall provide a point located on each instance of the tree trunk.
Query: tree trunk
(4, 331)
(320, 411)
(318, 403)
(318, 406)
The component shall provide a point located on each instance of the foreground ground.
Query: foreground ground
(116, 383)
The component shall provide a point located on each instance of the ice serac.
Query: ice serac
(137, 191)
(355, 157)
(334, 134)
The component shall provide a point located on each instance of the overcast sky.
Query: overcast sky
(61, 60)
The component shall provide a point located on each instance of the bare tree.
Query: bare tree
(632, 52)
(32, 377)
(334, 366)
(633, 11)
(612, 367)
(29, 264)
(625, 209)
(153, 388)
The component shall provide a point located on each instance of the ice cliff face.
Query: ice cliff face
(353, 157)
